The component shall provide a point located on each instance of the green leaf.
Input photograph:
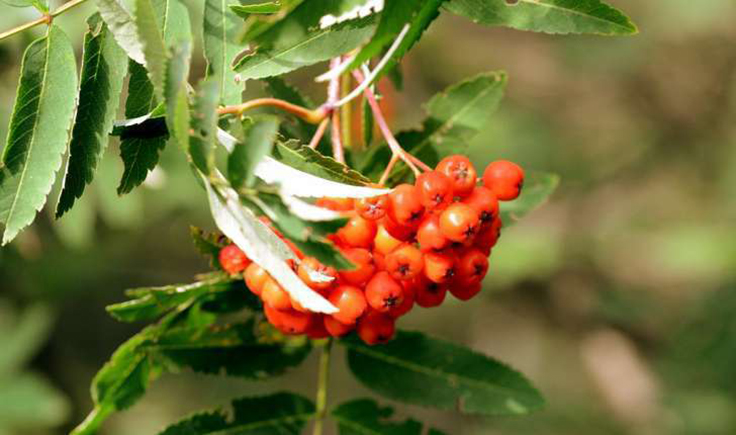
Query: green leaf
(258, 24)
(417, 369)
(104, 66)
(208, 244)
(221, 28)
(204, 127)
(123, 28)
(30, 402)
(41, 5)
(548, 16)
(298, 41)
(418, 14)
(296, 127)
(151, 303)
(39, 130)
(245, 11)
(280, 413)
(23, 339)
(139, 149)
(368, 123)
(312, 162)
(175, 92)
(259, 139)
(365, 417)
(154, 48)
(172, 16)
(232, 349)
(538, 186)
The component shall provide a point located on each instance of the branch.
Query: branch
(46, 19)
(311, 116)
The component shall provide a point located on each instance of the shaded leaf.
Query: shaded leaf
(204, 126)
(538, 186)
(104, 66)
(31, 401)
(366, 417)
(245, 11)
(293, 126)
(39, 130)
(548, 16)
(280, 413)
(221, 28)
(417, 369)
(23, 339)
(312, 162)
(259, 139)
(208, 244)
(175, 94)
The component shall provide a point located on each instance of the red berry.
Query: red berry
(288, 321)
(255, 278)
(314, 264)
(317, 329)
(398, 231)
(408, 303)
(383, 292)
(435, 190)
(336, 328)
(384, 242)
(373, 208)
(438, 267)
(358, 232)
(365, 268)
(275, 296)
(405, 262)
(485, 203)
(487, 238)
(428, 293)
(336, 204)
(350, 302)
(233, 260)
(459, 222)
(471, 267)
(375, 328)
(504, 178)
(461, 173)
(465, 292)
(406, 208)
(430, 236)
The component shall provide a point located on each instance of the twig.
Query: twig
(385, 130)
(311, 116)
(389, 168)
(319, 133)
(45, 19)
(333, 93)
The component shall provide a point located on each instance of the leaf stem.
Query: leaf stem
(322, 384)
(385, 130)
(45, 19)
(314, 143)
(333, 93)
(311, 116)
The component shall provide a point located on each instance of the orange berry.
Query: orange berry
(406, 208)
(314, 264)
(459, 222)
(430, 236)
(504, 178)
(465, 292)
(487, 238)
(288, 321)
(405, 262)
(373, 208)
(350, 301)
(364, 266)
(438, 267)
(358, 232)
(275, 296)
(408, 302)
(384, 242)
(375, 328)
(383, 292)
(429, 293)
(317, 328)
(232, 259)
(398, 231)
(472, 267)
(336, 204)
(255, 278)
(485, 203)
(336, 328)
(461, 173)
(435, 190)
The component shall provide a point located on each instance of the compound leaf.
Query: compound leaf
(221, 28)
(366, 417)
(259, 139)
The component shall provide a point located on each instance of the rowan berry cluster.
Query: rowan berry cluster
(412, 246)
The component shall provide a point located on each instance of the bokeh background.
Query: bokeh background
(617, 298)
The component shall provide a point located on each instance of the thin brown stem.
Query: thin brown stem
(385, 129)
(46, 19)
(311, 116)
(314, 143)
(389, 168)
(333, 94)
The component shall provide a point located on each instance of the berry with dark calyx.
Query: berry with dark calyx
(350, 302)
(383, 292)
(430, 236)
(385, 243)
(397, 230)
(461, 173)
(459, 222)
(471, 267)
(311, 263)
(408, 302)
(439, 267)
(485, 203)
(405, 262)
(336, 328)
(465, 292)
(288, 321)
(233, 260)
(358, 232)
(435, 190)
(317, 330)
(255, 278)
(487, 237)
(376, 328)
(373, 208)
(275, 296)
(406, 209)
(504, 178)
(365, 267)
(428, 293)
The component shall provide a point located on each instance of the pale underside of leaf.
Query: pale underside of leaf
(261, 245)
(121, 24)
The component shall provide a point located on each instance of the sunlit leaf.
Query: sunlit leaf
(221, 28)
(537, 189)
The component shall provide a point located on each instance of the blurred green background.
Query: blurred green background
(617, 298)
